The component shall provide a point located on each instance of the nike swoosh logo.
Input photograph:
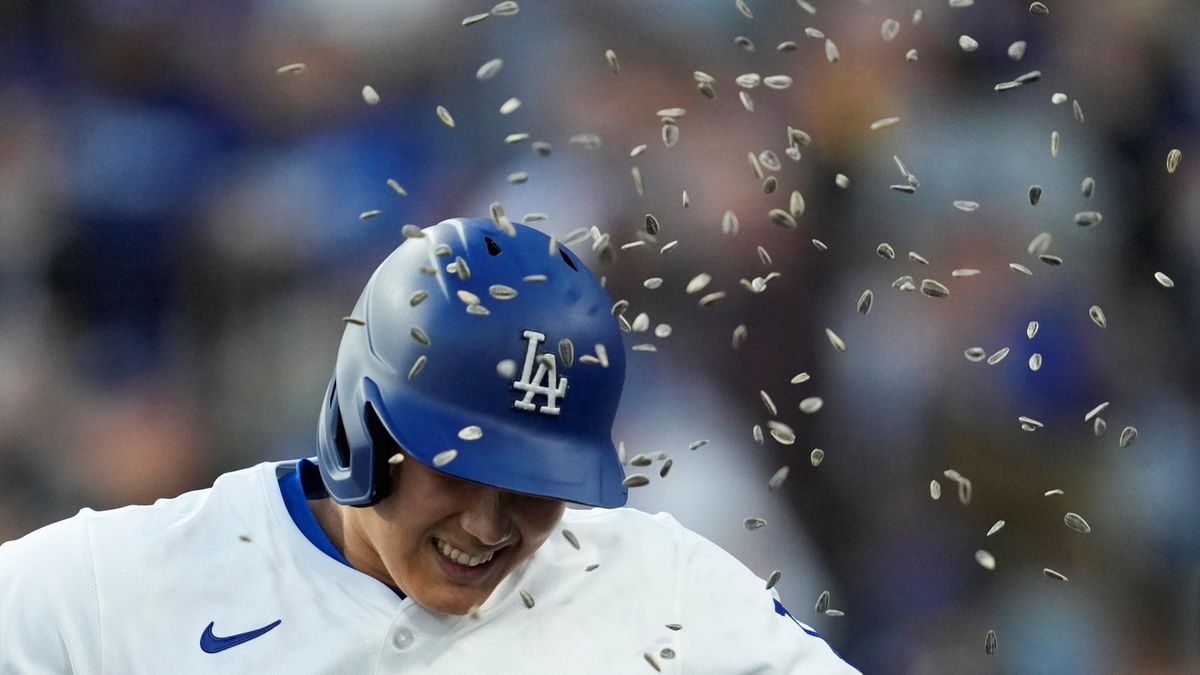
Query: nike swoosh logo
(212, 644)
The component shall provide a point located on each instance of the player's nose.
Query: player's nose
(487, 517)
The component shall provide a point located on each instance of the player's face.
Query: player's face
(447, 542)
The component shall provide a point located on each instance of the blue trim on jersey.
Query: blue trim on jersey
(296, 492)
(782, 611)
(299, 486)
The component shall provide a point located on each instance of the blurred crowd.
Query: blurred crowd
(180, 234)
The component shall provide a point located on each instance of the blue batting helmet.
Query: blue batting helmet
(488, 356)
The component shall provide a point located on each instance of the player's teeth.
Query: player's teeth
(461, 557)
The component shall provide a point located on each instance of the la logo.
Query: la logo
(533, 383)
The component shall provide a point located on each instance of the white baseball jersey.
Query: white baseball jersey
(226, 580)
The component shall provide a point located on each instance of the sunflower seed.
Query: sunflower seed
(1016, 50)
(666, 468)
(1055, 143)
(527, 599)
(773, 579)
(444, 116)
(1099, 426)
(902, 282)
(786, 46)
(831, 51)
(419, 335)
(651, 660)
(989, 643)
(778, 478)
(1035, 362)
(416, 367)
(641, 459)
(747, 102)
(953, 475)
(635, 480)
(745, 43)
(1031, 329)
(911, 56)
(811, 404)
(998, 356)
(513, 139)
(518, 178)
(1005, 86)
(445, 457)
(1164, 280)
(986, 560)
(777, 82)
(757, 434)
(611, 57)
(906, 189)
(370, 95)
(674, 626)
(800, 377)
(670, 134)
(706, 89)
(291, 69)
(1128, 435)
(842, 180)
(474, 19)
(884, 123)
(1039, 9)
(641, 323)
(766, 398)
(961, 3)
(885, 251)
(834, 340)
(1052, 260)
(933, 289)
(864, 302)
(1029, 421)
(782, 218)
(889, 29)
(764, 256)
(820, 245)
(1087, 218)
(769, 184)
(396, 459)
(489, 70)
(367, 215)
(533, 278)
(1018, 267)
(477, 310)
(698, 283)
(1077, 523)
(354, 320)
(822, 602)
(782, 434)
(935, 490)
(748, 80)
(975, 354)
(1173, 158)
(964, 491)
(754, 523)
(1053, 574)
(662, 330)
(964, 272)
(816, 456)
(814, 33)
(1097, 315)
(967, 43)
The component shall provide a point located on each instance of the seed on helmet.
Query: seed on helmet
(354, 320)
(445, 457)
(506, 369)
(1128, 435)
(1018, 267)
(816, 456)
(396, 458)
(989, 643)
(420, 335)
(1173, 158)
(502, 292)
(935, 490)
(778, 478)
(933, 289)
(416, 367)
(533, 278)
(1097, 315)
(464, 272)
(1053, 574)
(985, 559)
(566, 351)
(822, 602)
(774, 579)
(635, 480)
(471, 433)
(754, 523)
(1164, 280)
(1077, 523)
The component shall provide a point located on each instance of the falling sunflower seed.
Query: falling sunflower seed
(1016, 50)
(1077, 523)
(291, 69)
(444, 116)
(884, 123)
(1052, 493)
(652, 661)
(369, 95)
(666, 468)
(1053, 574)
(1018, 267)
(1095, 411)
(471, 433)
(995, 528)
(964, 272)
(747, 102)
(367, 215)
(834, 340)
(885, 251)
(670, 134)
(1164, 280)
(967, 43)
(489, 70)
(811, 404)
(864, 302)
(1052, 260)
(1035, 362)
(985, 559)
(800, 377)
(935, 490)
(998, 356)
(822, 602)
(1087, 218)
(611, 57)
(635, 480)
(831, 51)
(816, 456)
(778, 478)
(770, 404)
(1128, 436)
(1099, 426)
(1097, 315)
(754, 523)
(1055, 143)
(989, 643)
(933, 289)
(1173, 158)
(637, 181)
(842, 180)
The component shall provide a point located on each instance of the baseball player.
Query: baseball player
(472, 400)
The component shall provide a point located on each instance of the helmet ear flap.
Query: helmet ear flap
(383, 448)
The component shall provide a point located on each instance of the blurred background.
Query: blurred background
(180, 235)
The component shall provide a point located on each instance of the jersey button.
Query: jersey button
(403, 638)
